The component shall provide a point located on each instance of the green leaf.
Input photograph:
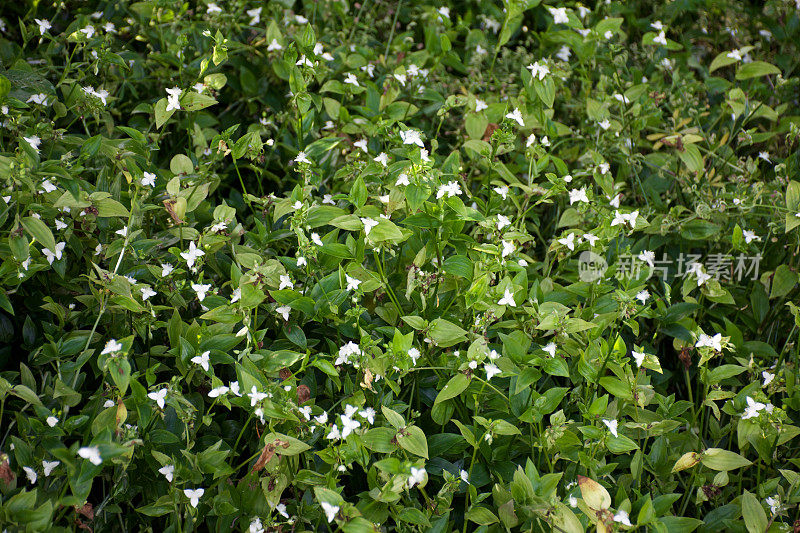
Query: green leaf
(453, 388)
(162, 115)
(446, 334)
(783, 281)
(37, 229)
(754, 69)
(193, 101)
(108, 207)
(481, 515)
(719, 459)
(181, 164)
(412, 439)
(755, 519)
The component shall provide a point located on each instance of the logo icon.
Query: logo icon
(591, 266)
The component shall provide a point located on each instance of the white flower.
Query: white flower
(538, 70)
(402, 179)
(545, 141)
(48, 187)
(31, 473)
(202, 359)
(714, 342)
(480, 105)
(49, 466)
(648, 257)
(192, 255)
(147, 293)
(51, 256)
(362, 143)
(444, 12)
(51, 421)
(346, 351)
(764, 156)
(508, 248)
(696, 269)
(507, 299)
(568, 241)
(623, 518)
(285, 282)
(411, 137)
(502, 222)
(491, 370)
(643, 295)
(517, 116)
(752, 409)
(348, 425)
(369, 223)
(352, 283)
(281, 508)
(573, 501)
(234, 385)
(201, 289)
(735, 54)
(167, 471)
(750, 236)
(368, 414)
(92, 453)
(590, 238)
(416, 476)
(159, 397)
(334, 433)
(328, 199)
(39, 98)
(173, 98)
(550, 349)
(638, 357)
(194, 495)
(452, 188)
(301, 261)
(767, 377)
(112, 346)
(604, 168)
(149, 180)
(351, 79)
(256, 396)
(122, 232)
(255, 15)
(383, 159)
(661, 38)
(321, 419)
(330, 510)
(559, 15)
(414, 354)
(774, 503)
(502, 191)
(578, 195)
(612, 426)
(218, 391)
(564, 53)
(605, 124)
(44, 25)
(657, 25)
(401, 78)
(108, 403)
(284, 311)
(274, 45)
(316, 240)
(166, 269)
(305, 411)
(34, 141)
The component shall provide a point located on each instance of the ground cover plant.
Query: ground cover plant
(399, 266)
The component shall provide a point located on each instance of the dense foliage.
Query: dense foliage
(396, 266)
